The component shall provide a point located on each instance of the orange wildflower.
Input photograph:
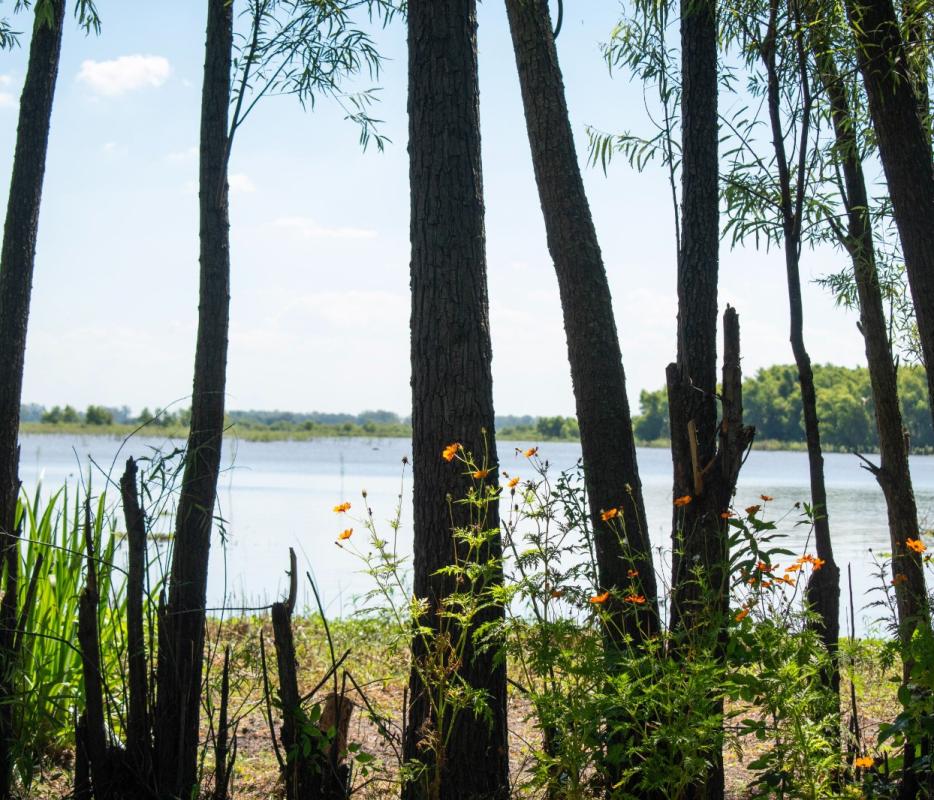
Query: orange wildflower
(344, 535)
(899, 579)
(513, 483)
(863, 762)
(450, 451)
(600, 599)
(727, 515)
(916, 544)
(763, 567)
(480, 474)
(817, 563)
(766, 584)
(794, 567)
(741, 615)
(683, 500)
(633, 573)
(753, 510)
(606, 516)
(636, 599)
(556, 593)
(766, 498)
(340, 509)
(786, 579)
(532, 451)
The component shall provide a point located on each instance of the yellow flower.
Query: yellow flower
(916, 544)
(450, 451)
(344, 535)
(340, 509)
(513, 483)
(863, 762)
(606, 516)
(637, 599)
(480, 474)
(741, 615)
(600, 599)
(532, 451)
(683, 500)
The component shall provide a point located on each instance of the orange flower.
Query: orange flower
(753, 510)
(741, 615)
(763, 567)
(766, 498)
(786, 579)
(683, 500)
(636, 599)
(480, 474)
(606, 516)
(513, 483)
(794, 567)
(556, 593)
(899, 579)
(817, 563)
(766, 584)
(342, 508)
(344, 535)
(863, 762)
(633, 573)
(727, 515)
(600, 599)
(532, 451)
(450, 451)
(916, 544)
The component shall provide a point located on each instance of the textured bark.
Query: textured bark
(893, 472)
(905, 152)
(138, 734)
(181, 656)
(17, 259)
(452, 398)
(706, 455)
(599, 380)
(823, 590)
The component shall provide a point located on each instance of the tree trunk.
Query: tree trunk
(700, 549)
(905, 151)
(452, 398)
(17, 259)
(607, 442)
(180, 660)
(893, 472)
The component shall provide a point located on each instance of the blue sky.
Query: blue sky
(319, 316)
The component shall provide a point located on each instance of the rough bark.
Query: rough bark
(17, 259)
(452, 397)
(607, 443)
(905, 152)
(706, 455)
(138, 738)
(180, 658)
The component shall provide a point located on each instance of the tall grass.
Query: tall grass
(48, 694)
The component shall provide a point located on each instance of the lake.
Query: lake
(276, 495)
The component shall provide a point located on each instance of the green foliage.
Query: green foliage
(772, 402)
(98, 415)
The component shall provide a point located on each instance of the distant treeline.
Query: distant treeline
(772, 402)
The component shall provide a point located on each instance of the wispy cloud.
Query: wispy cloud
(240, 183)
(309, 229)
(181, 156)
(124, 74)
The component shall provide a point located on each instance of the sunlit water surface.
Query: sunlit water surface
(276, 495)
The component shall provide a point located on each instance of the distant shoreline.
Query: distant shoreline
(374, 431)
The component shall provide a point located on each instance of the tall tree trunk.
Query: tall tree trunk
(700, 549)
(17, 259)
(607, 442)
(452, 397)
(180, 660)
(905, 151)
(893, 472)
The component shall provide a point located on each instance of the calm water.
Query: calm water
(276, 495)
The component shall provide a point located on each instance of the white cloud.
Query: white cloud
(309, 229)
(180, 156)
(240, 183)
(7, 100)
(124, 74)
